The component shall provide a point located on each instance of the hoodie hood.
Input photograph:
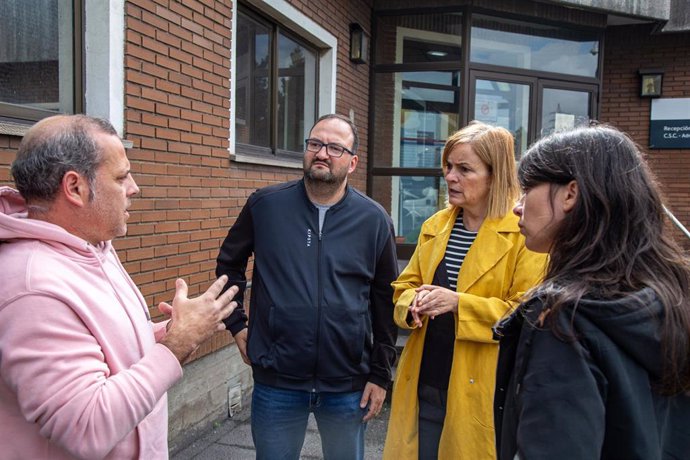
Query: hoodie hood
(16, 225)
(633, 322)
(77, 348)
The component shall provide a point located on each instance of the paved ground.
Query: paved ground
(232, 440)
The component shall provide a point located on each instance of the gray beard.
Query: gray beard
(325, 184)
(320, 177)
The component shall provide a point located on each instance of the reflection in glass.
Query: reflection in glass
(275, 94)
(410, 201)
(419, 38)
(36, 61)
(252, 103)
(429, 114)
(504, 104)
(296, 99)
(533, 46)
(414, 115)
(420, 50)
(563, 109)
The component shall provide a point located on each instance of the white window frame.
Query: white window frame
(104, 39)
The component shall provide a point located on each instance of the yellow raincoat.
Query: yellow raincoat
(497, 270)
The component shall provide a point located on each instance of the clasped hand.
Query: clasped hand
(432, 301)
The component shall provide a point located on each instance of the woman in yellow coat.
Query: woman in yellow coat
(469, 269)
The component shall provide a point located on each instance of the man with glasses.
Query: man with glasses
(321, 335)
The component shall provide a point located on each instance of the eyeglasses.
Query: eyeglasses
(334, 150)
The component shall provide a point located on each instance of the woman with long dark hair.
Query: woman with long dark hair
(597, 362)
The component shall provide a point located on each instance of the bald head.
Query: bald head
(51, 148)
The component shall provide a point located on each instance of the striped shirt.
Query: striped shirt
(458, 244)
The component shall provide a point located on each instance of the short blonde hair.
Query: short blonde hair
(495, 146)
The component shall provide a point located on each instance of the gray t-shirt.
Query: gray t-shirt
(322, 214)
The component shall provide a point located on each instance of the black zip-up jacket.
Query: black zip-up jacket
(591, 397)
(321, 309)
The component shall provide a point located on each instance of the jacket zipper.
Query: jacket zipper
(319, 291)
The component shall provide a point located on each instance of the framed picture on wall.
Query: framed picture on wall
(651, 85)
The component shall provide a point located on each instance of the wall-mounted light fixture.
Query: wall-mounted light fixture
(650, 82)
(359, 44)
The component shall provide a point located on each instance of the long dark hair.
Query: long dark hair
(614, 241)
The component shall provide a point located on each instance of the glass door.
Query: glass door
(504, 102)
(407, 177)
(530, 107)
(563, 107)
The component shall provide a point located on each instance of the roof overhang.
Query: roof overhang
(670, 15)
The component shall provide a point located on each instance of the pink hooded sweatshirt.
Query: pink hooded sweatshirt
(81, 374)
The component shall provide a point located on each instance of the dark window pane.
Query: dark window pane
(276, 88)
(36, 63)
(296, 84)
(419, 38)
(252, 104)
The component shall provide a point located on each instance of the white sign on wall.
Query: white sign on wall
(669, 126)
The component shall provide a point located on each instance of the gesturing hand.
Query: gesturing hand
(195, 320)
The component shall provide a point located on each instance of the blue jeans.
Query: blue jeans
(279, 423)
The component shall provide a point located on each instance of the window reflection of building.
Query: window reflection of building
(506, 105)
(419, 201)
(520, 44)
(428, 101)
(563, 109)
(418, 195)
(511, 66)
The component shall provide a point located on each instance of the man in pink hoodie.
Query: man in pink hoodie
(83, 369)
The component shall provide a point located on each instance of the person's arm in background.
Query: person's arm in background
(57, 368)
(232, 260)
(404, 287)
(384, 330)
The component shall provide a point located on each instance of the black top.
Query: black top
(321, 305)
(588, 397)
(439, 342)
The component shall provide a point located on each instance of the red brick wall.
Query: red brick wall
(8, 145)
(177, 99)
(628, 49)
(177, 71)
